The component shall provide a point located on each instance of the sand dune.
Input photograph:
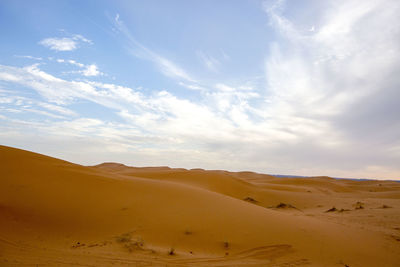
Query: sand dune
(55, 213)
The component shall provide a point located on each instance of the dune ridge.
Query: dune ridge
(57, 213)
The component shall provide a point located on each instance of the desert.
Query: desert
(56, 213)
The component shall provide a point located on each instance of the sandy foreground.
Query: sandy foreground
(55, 213)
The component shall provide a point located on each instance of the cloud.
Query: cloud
(53, 89)
(59, 44)
(65, 43)
(192, 86)
(64, 92)
(29, 57)
(166, 66)
(224, 87)
(209, 62)
(58, 109)
(10, 101)
(91, 70)
(88, 70)
(340, 64)
(70, 61)
(164, 111)
(339, 76)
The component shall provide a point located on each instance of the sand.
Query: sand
(56, 213)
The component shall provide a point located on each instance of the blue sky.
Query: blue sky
(291, 87)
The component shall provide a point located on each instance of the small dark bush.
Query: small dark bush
(359, 205)
(226, 245)
(250, 199)
(124, 238)
(333, 209)
(188, 232)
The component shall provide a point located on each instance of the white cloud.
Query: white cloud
(73, 62)
(166, 66)
(91, 70)
(162, 110)
(59, 44)
(340, 63)
(58, 109)
(209, 62)
(27, 104)
(224, 87)
(88, 70)
(192, 86)
(53, 89)
(65, 43)
(42, 112)
(338, 78)
(79, 37)
(29, 57)
(225, 114)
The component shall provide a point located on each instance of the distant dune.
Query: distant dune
(55, 213)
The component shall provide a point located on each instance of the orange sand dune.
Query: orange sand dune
(55, 213)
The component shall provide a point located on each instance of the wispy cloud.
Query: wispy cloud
(166, 66)
(10, 102)
(58, 109)
(64, 92)
(65, 43)
(70, 61)
(87, 70)
(29, 57)
(192, 86)
(209, 62)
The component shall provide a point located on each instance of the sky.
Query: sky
(281, 87)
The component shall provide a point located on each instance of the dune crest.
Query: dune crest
(57, 213)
